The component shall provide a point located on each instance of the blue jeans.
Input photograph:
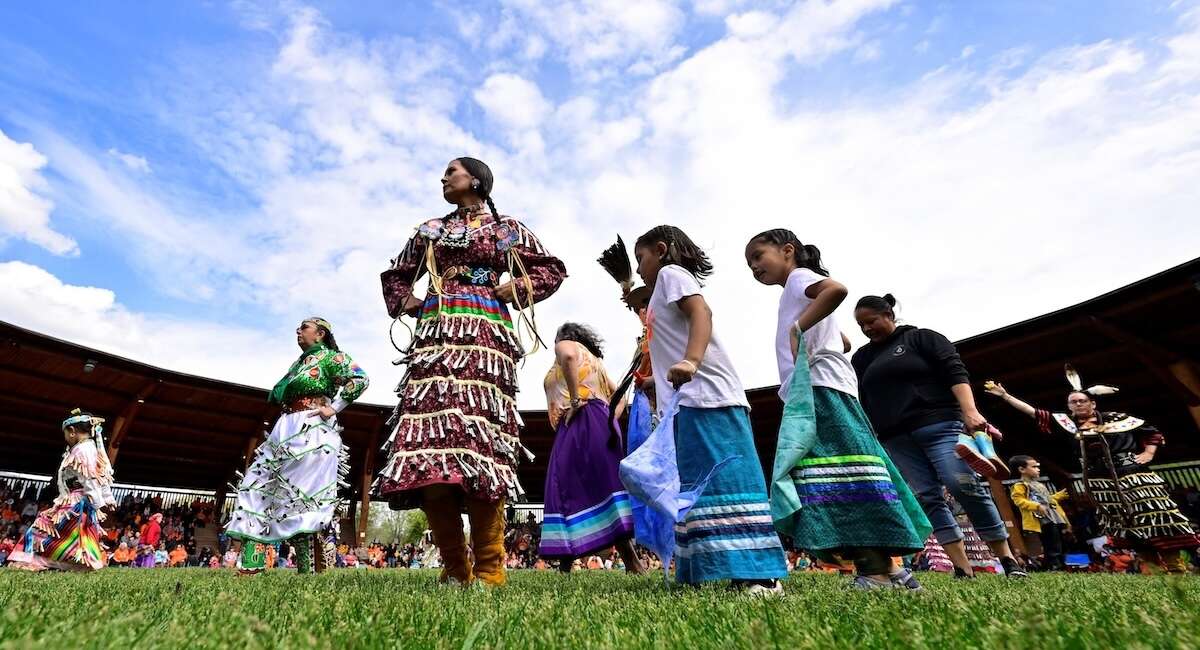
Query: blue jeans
(927, 461)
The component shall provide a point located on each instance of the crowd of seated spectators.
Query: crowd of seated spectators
(141, 533)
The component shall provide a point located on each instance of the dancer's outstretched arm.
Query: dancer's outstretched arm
(997, 389)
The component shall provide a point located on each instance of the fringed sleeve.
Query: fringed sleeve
(407, 268)
(96, 477)
(545, 271)
(1045, 422)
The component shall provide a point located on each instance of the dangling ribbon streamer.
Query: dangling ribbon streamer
(101, 449)
(528, 321)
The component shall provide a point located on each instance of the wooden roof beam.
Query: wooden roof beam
(1156, 358)
(1054, 368)
(1121, 307)
(58, 409)
(22, 375)
(124, 421)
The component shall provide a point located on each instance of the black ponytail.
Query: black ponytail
(807, 255)
(885, 304)
(681, 250)
(483, 174)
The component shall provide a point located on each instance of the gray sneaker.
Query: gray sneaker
(906, 580)
(864, 583)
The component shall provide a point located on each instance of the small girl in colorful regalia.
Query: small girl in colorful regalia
(835, 491)
(727, 534)
(67, 534)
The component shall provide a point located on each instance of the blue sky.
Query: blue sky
(181, 182)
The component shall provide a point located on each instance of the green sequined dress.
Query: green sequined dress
(291, 487)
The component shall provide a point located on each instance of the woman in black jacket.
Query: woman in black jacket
(916, 392)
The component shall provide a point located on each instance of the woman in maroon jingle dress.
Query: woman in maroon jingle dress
(455, 444)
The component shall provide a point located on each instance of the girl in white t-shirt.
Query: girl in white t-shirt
(835, 491)
(728, 533)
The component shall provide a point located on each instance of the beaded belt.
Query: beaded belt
(306, 403)
(480, 275)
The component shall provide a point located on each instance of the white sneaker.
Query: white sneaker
(763, 591)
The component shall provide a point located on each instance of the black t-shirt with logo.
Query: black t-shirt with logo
(904, 381)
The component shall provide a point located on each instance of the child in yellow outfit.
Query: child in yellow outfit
(1041, 512)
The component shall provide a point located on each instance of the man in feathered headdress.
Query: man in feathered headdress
(1132, 503)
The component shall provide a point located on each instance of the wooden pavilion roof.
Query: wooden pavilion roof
(172, 429)
(168, 429)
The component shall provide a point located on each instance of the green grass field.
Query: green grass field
(198, 608)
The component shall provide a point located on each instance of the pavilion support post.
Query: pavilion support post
(364, 512)
(1011, 522)
(368, 471)
(124, 420)
(218, 516)
(351, 539)
(1186, 374)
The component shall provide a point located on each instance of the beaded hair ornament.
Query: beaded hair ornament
(317, 320)
(77, 416)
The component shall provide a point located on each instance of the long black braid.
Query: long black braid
(488, 200)
(681, 250)
(483, 174)
(807, 255)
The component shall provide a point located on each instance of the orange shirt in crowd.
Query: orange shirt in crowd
(178, 556)
(122, 554)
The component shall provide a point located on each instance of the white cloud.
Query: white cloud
(132, 161)
(966, 192)
(945, 200)
(513, 101)
(594, 34)
(33, 298)
(717, 7)
(24, 210)
(751, 23)
(867, 52)
(470, 25)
